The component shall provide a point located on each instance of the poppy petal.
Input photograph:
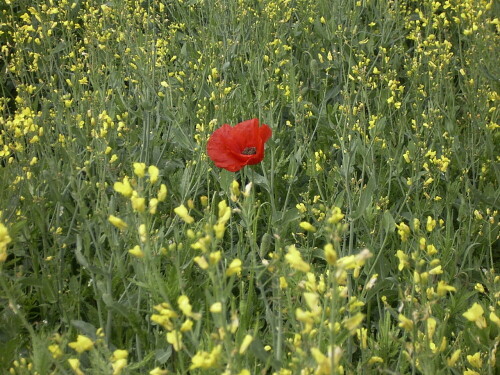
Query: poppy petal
(265, 132)
(232, 148)
(245, 134)
(220, 151)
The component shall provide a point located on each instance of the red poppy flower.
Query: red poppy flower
(232, 148)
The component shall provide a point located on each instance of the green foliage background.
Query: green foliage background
(385, 109)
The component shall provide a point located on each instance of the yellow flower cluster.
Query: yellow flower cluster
(4, 241)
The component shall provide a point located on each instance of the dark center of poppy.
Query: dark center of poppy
(249, 151)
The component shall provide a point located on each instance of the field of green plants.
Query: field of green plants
(366, 241)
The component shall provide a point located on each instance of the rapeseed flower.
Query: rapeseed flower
(124, 187)
(224, 215)
(323, 362)
(186, 308)
(201, 262)
(247, 340)
(139, 169)
(4, 241)
(182, 212)
(352, 323)
(175, 338)
(454, 358)
(162, 193)
(475, 360)
(158, 371)
(403, 231)
(154, 173)
(55, 350)
(82, 344)
(294, 259)
(307, 226)
(475, 314)
(234, 267)
(403, 260)
(206, 360)
(74, 363)
(216, 308)
(137, 252)
(405, 323)
(119, 361)
(336, 216)
(138, 203)
(330, 254)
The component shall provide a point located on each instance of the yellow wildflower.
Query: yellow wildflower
(324, 363)
(119, 361)
(403, 260)
(204, 200)
(362, 334)
(138, 203)
(143, 234)
(247, 340)
(158, 371)
(354, 261)
(216, 307)
(475, 314)
(74, 363)
(165, 314)
(431, 224)
(175, 338)
(375, 359)
(403, 231)
(283, 282)
(162, 193)
(186, 308)
(119, 354)
(153, 204)
(405, 323)
(201, 262)
(336, 216)
(56, 351)
(224, 215)
(307, 226)
(301, 207)
(436, 270)
(431, 250)
(139, 169)
(234, 268)
(330, 254)
(443, 288)
(124, 187)
(117, 222)
(312, 301)
(206, 360)
(295, 260)
(137, 252)
(495, 319)
(4, 241)
(352, 323)
(214, 257)
(235, 190)
(182, 212)
(475, 360)
(82, 344)
(153, 172)
(187, 325)
(454, 358)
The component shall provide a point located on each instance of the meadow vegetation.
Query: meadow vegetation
(366, 241)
